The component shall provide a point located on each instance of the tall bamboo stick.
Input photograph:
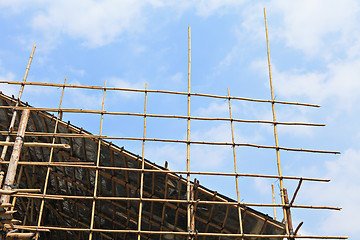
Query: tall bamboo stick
(273, 198)
(13, 118)
(97, 171)
(188, 137)
(142, 168)
(235, 166)
(275, 129)
(50, 161)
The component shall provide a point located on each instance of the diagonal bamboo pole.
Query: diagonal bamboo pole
(142, 168)
(14, 159)
(13, 118)
(275, 129)
(97, 171)
(49, 167)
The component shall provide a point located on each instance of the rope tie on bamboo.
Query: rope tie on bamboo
(21, 137)
(12, 186)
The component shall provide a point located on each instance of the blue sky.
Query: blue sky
(315, 54)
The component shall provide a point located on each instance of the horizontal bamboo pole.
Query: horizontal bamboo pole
(87, 165)
(72, 110)
(36, 144)
(59, 164)
(156, 91)
(236, 235)
(197, 142)
(29, 195)
(19, 235)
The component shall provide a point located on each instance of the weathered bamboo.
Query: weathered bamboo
(1, 177)
(235, 167)
(273, 198)
(14, 159)
(288, 213)
(73, 110)
(36, 144)
(49, 162)
(235, 235)
(13, 118)
(20, 235)
(97, 170)
(90, 165)
(158, 91)
(142, 169)
(296, 192)
(188, 137)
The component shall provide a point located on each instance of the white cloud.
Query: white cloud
(215, 109)
(307, 25)
(338, 83)
(122, 83)
(342, 191)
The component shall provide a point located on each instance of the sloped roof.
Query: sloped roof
(73, 183)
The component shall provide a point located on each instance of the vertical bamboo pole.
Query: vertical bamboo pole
(142, 168)
(188, 141)
(48, 167)
(97, 170)
(273, 198)
(14, 159)
(288, 213)
(1, 178)
(275, 129)
(235, 166)
(13, 118)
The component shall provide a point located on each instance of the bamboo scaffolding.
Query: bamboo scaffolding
(89, 165)
(142, 169)
(97, 170)
(235, 167)
(73, 110)
(49, 162)
(58, 196)
(13, 118)
(185, 141)
(158, 91)
(275, 132)
(33, 228)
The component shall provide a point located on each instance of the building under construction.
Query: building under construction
(60, 181)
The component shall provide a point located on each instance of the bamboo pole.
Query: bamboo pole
(234, 235)
(89, 166)
(14, 159)
(13, 118)
(188, 137)
(158, 91)
(273, 198)
(36, 144)
(110, 198)
(142, 169)
(97, 170)
(50, 161)
(235, 167)
(72, 110)
(275, 129)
